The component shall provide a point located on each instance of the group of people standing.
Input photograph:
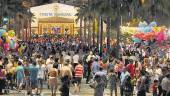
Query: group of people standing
(62, 65)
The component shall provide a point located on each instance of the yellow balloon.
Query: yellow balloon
(5, 34)
(8, 39)
(11, 33)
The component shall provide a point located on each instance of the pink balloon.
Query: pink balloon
(160, 37)
(6, 46)
(16, 45)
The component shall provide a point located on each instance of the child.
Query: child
(155, 87)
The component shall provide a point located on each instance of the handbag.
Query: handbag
(93, 84)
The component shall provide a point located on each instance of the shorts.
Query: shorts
(20, 81)
(40, 82)
(34, 83)
(78, 80)
(52, 81)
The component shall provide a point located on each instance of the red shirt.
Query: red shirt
(79, 71)
(154, 87)
(131, 70)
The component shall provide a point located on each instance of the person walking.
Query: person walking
(20, 76)
(165, 84)
(75, 59)
(128, 86)
(99, 87)
(33, 70)
(89, 69)
(154, 88)
(53, 73)
(124, 74)
(112, 81)
(141, 85)
(78, 76)
(95, 66)
(66, 75)
(41, 75)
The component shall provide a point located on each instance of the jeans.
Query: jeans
(164, 93)
(141, 93)
(155, 94)
(121, 90)
(88, 76)
(160, 90)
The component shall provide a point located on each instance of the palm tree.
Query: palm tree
(80, 16)
(16, 10)
(111, 12)
(84, 14)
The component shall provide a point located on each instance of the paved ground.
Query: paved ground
(85, 91)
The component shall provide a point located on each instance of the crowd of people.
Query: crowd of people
(138, 70)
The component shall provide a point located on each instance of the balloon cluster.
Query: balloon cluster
(149, 32)
(8, 39)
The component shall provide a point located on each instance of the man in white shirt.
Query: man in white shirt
(68, 57)
(75, 59)
(50, 60)
(41, 74)
(89, 56)
(158, 72)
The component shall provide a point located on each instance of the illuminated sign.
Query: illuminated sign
(55, 14)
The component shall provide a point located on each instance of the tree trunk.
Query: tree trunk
(89, 32)
(17, 28)
(1, 13)
(85, 29)
(30, 34)
(98, 32)
(9, 23)
(1, 21)
(100, 35)
(22, 31)
(108, 30)
(94, 26)
(81, 20)
(118, 36)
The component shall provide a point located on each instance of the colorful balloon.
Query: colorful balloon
(1, 41)
(5, 34)
(11, 33)
(147, 29)
(12, 44)
(5, 20)
(142, 24)
(2, 31)
(136, 40)
(160, 37)
(153, 24)
(6, 46)
(8, 39)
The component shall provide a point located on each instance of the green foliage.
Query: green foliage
(10, 8)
